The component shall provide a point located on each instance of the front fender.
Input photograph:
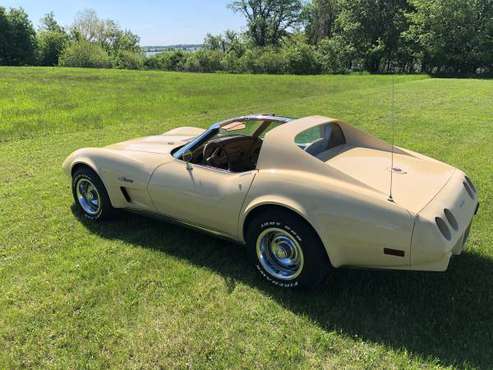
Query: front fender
(117, 170)
(89, 157)
(81, 156)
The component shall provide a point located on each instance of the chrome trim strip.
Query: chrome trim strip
(220, 170)
(215, 169)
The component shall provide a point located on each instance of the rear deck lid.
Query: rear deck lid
(416, 181)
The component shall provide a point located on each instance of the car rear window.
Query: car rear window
(319, 139)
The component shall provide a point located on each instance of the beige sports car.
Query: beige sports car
(305, 195)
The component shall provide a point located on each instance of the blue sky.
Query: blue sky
(157, 22)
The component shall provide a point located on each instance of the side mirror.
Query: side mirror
(187, 157)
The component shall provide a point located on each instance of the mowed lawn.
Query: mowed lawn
(140, 293)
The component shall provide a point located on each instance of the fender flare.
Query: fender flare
(77, 159)
(276, 201)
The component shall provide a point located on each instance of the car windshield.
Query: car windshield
(252, 127)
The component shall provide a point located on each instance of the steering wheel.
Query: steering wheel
(216, 155)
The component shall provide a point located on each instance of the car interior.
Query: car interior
(236, 146)
(320, 140)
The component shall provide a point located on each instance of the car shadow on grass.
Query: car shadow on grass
(445, 317)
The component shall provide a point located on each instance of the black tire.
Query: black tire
(104, 210)
(315, 265)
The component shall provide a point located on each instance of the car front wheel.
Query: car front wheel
(286, 250)
(90, 195)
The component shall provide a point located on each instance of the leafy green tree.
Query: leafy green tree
(170, 60)
(230, 41)
(373, 28)
(85, 54)
(270, 60)
(215, 42)
(452, 35)
(87, 26)
(52, 39)
(320, 17)
(128, 59)
(105, 32)
(203, 61)
(121, 45)
(268, 20)
(17, 38)
(4, 41)
(49, 23)
(232, 63)
(334, 55)
(126, 41)
(301, 57)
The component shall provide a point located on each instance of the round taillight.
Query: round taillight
(442, 226)
(451, 219)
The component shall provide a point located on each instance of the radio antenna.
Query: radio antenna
(392, 122)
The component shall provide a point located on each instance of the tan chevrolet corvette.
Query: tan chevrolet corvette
(305, 195)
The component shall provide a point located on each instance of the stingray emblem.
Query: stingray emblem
(461, 205)
(125, 179)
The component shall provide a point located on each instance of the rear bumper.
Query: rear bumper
(453, 209)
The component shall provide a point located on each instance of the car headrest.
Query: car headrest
(318, 146)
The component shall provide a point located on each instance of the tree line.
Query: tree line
(88, 42)
(282, 36)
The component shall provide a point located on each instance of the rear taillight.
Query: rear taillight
(451, 219)
(442, 226)
(468, 189)
(471, 185)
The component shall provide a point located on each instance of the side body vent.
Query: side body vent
(125, 195)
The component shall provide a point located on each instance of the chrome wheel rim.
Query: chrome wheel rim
(280, 254)
(88, 196)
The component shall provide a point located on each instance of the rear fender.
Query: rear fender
(278, 201)
(269, 200)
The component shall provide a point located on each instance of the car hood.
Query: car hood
(417, 179)
(159, 144)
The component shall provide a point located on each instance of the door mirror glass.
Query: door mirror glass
(187, 156)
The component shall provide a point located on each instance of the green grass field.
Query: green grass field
(139, 293)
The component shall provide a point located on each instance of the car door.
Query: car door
(202, 196)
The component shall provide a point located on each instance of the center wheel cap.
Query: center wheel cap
(280, 254)
(279, 251)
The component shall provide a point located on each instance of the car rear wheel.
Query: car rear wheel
(90, 195)
(286, 250)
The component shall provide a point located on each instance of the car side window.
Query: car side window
(319, 139)
(309, 136)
